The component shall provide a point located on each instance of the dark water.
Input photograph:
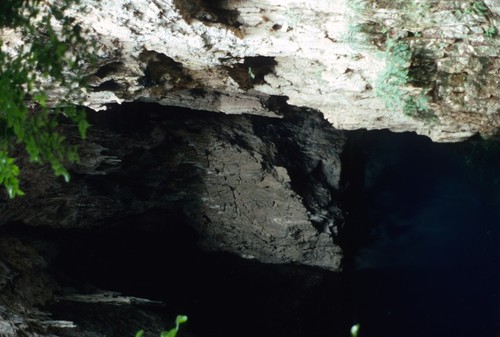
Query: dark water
(424, 236)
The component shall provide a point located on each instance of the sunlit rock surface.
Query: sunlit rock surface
(232, 56)
(235, 56)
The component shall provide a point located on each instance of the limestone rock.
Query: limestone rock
(257, 187)
(232, 56)
(253, 186)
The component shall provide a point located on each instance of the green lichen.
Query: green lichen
(391, 83)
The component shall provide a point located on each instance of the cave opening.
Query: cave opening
(421, 235)
(154, 256)
(420, 241)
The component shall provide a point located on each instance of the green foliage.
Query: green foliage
(8, 175)
(170, 333)
(390, 84)
(355, 330)
(48, 55)
(476, 7)
(492, 31)
(481, 9)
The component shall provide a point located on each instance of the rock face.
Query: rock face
(258, 187)
(233, 56)
(262, 188)
(336, 57)
(266, 190)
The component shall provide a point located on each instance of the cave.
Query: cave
(422, 234)
(269, 168)
(221, 293)
(418, 229)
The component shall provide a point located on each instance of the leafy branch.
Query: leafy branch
(48, 55)
(170, 333)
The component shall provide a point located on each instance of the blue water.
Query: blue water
(426, 262)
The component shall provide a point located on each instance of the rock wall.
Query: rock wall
(235, 56)
(256, 187)
(259, 187)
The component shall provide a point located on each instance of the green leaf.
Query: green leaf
(8, 175)
(18, 192)
(10, 190)
(180, 319)
(171, 333)
(41, 98)
(83, 126)
(355, 330)
(139, 333)
(47, 58)
(66, 176)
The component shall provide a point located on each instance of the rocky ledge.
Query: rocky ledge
(261, 188)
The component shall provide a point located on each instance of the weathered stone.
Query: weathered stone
(326, 56)
(261, 188)
(257, 187)
(258, 194)
(231, 57)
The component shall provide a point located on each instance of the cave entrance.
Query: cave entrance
(154, 256)
(421, 244)
(421, 235)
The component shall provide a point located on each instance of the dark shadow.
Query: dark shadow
(421, 238)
